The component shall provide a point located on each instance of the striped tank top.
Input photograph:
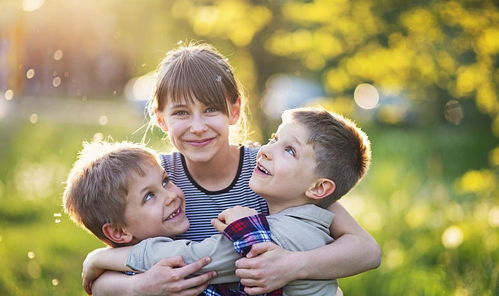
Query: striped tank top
(203, 205)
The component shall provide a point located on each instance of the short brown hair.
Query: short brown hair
(197, 71)
(97, 185)
(342, 150)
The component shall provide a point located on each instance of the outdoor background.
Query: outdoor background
(420, 77)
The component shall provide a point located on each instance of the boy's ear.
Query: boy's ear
(116, 234)
(161, 120)
(235, 111)
(322, 187)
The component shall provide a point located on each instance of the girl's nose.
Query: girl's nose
(198, 125)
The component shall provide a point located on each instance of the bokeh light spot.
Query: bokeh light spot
(9, 94)
(57, 221)
(452, 237)
(56, 82)
(98, 137)
(366, 96)
(31, 255)
(33, 118)
(103, 120)
(58, 54)
(32, 5)
(55, 282)
(30, 73)
(494, 216)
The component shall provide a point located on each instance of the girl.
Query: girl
(197, 101)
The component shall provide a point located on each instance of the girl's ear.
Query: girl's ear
(235, 111)
(161, 120)
(116, 234)
(322, 187)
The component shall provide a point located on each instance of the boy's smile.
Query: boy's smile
(155, 206)
(285, 168)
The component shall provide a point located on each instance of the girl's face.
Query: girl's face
(198, 131)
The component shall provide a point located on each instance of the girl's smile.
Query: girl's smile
(200, 143)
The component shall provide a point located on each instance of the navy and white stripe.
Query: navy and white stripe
(203, 205)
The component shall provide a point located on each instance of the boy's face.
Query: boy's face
(155, 206)
(285, 167)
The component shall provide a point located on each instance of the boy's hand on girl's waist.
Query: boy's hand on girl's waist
(230, 215)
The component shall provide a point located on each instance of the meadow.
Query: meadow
(437, 238)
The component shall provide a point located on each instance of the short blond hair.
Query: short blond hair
(97, 185)
(342, 150)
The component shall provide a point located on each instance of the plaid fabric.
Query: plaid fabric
(244, 233)
(219, 290)
(248, 231)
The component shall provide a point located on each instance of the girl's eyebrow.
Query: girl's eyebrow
(178, 105)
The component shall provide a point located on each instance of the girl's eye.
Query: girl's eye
(180, 113)
(211, 110)
(148, 196)
(165, 182)
(290, 150)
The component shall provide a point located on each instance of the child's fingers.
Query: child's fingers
(221, 216)
(193, 267)
(198, 282)
(260, 248)
(176, 261)
(218, 225)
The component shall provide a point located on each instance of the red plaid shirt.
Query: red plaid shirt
(244, 233)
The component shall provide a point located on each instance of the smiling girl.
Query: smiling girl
(197, 100)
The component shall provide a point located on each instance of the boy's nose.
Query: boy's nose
(265, 152)
(169, 197)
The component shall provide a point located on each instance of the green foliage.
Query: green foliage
(408, 201)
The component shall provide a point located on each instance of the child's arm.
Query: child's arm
(268, 267)
(221, 250)
(168, 277)
(101, 260)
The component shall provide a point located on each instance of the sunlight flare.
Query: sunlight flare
(452, 237)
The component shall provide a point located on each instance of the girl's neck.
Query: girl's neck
(217, 173)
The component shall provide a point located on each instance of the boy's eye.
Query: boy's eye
(290, 150)
(148, 196)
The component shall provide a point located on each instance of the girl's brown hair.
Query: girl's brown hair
(197, 72)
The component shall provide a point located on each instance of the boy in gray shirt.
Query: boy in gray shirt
(314, 159)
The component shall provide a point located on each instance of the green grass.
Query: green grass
(407, 201)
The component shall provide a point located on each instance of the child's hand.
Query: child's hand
(90, 269)
(230, 215)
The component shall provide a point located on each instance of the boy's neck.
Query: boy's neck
(276, 207)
